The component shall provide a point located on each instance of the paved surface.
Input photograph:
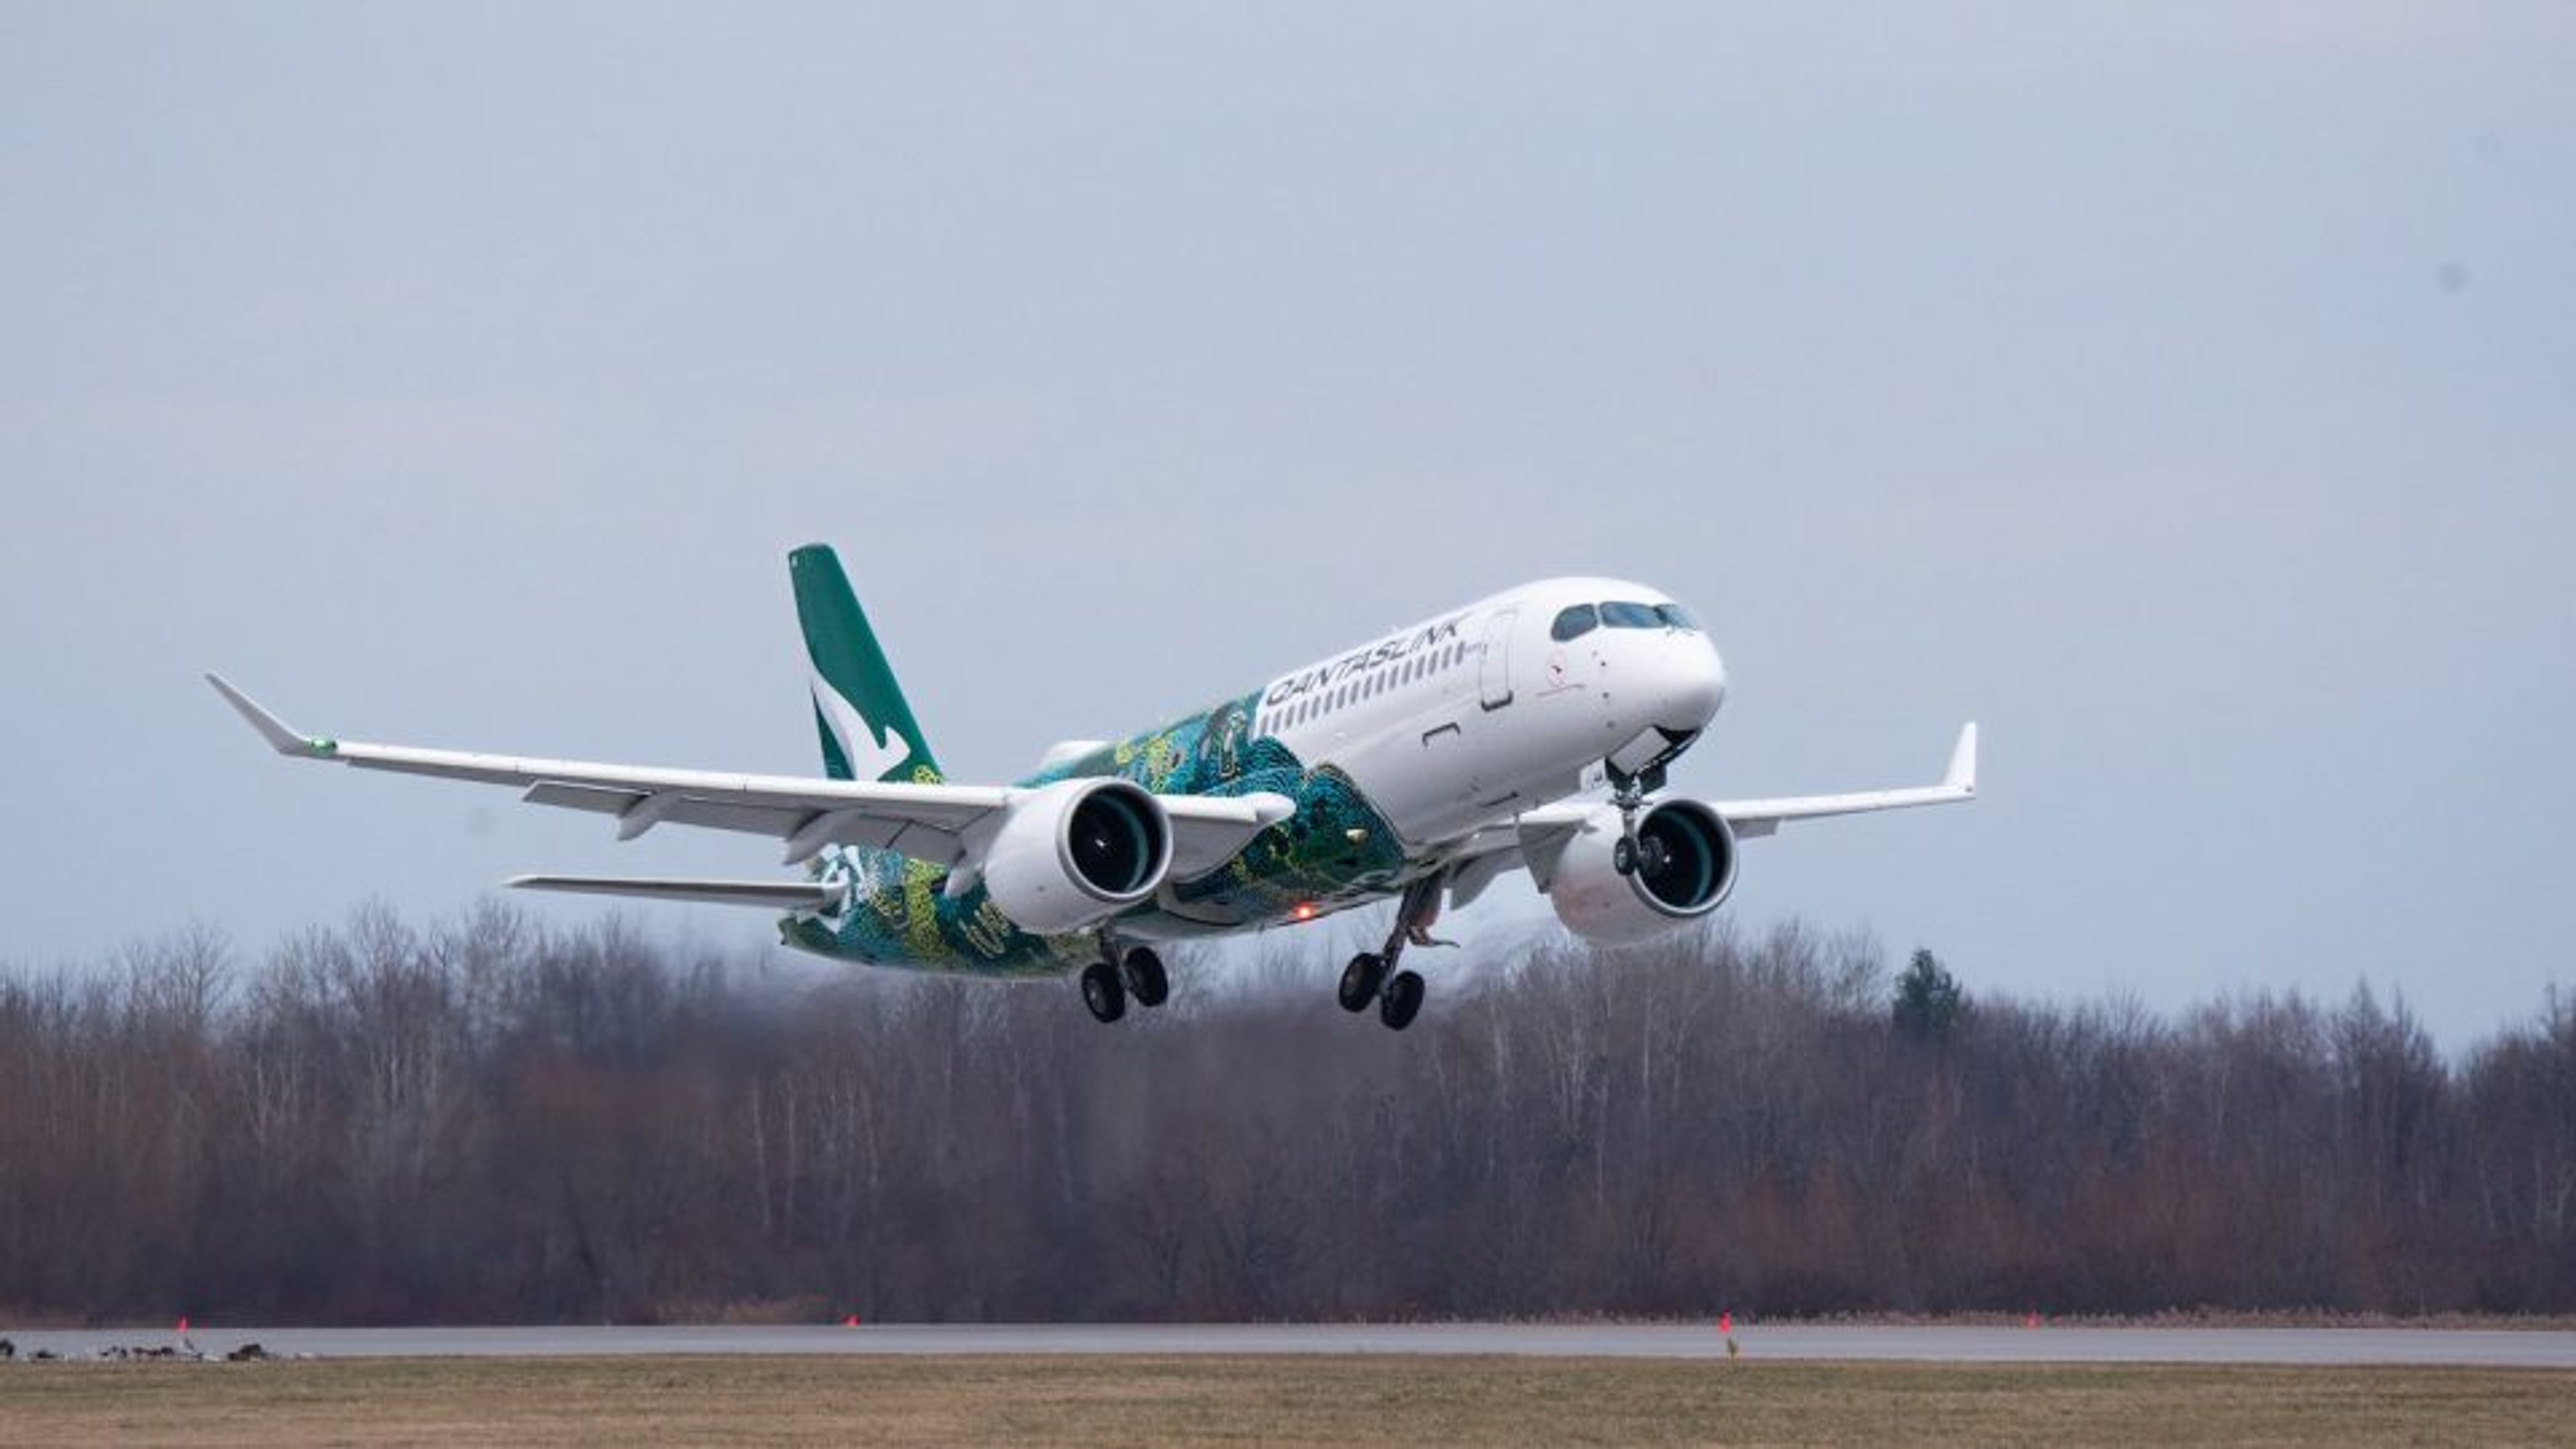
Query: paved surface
(2466, 1347)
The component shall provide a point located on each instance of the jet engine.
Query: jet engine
(1685, 867)
(1077, 852)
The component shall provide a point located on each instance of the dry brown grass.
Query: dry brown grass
(1295, 1400)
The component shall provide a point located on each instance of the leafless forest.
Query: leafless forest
(488, 1122)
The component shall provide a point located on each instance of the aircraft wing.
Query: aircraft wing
(926, 822)
(1538, 834)
(1751, 819)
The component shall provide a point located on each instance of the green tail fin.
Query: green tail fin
(867, 729)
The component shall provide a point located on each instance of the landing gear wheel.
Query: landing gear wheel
(1402, 1000)
(1102, 993)
(1361, 979)
(1146, 982)
(1628, 792)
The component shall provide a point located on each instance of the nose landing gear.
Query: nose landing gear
(1629, 792)
(1372, 975)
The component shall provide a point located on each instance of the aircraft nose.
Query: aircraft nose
(1695, 683)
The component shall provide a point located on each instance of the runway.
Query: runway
(2480, 1348)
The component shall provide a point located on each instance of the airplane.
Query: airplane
(1419, 767)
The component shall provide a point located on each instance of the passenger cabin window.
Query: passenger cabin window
(1574, 623)
(1631, 616)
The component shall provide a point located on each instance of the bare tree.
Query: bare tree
(484, 1120)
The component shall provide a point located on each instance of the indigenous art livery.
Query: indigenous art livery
(1417, 767)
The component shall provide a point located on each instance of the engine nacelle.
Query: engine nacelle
(1686, 866)
(1077, 852)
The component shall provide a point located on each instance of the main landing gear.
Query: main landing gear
(1109, 982)
(1366, 979)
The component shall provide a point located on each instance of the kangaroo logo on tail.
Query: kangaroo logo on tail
(866, 753)
(867, 730)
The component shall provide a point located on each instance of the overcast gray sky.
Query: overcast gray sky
(2187, 392)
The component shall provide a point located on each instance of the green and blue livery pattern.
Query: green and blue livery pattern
(1335, 849)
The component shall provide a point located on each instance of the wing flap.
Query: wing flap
(640, 810)
(584, 797)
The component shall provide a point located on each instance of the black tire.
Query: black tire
(1146, 980)
(1101, 993)
(1623, 856)
(1402, 1001)
(1360, 981)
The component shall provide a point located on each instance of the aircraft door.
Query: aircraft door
(1496, 673)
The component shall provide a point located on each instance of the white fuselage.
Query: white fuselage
(1475, 715)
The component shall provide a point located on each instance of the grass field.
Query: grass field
(1300, 1400)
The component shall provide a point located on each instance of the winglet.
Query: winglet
(1962, 776)
(272, 729)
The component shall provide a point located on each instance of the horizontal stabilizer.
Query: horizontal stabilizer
(775, 895)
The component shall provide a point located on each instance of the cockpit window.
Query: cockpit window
(1676, 616)
(1574, 623)
(1631, 616)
